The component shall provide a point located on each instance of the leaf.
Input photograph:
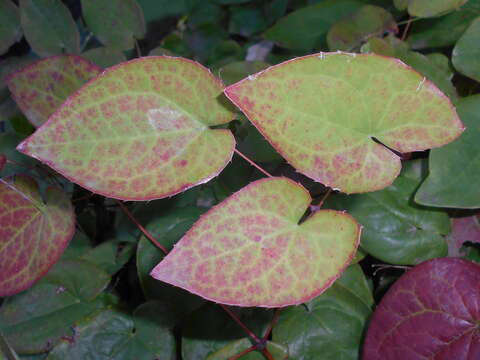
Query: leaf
(104, 56)
(116, 23)
(10, 29)
(350, 32)
(306, 28)
(396, 230)
(236, 71)
(114, 335)
(431, 8)
(329, 327)
(322, 113)
(49, 27)
(250, 251)
(140, 131)
(278, 351)
(33, 320)
(465, 53)
(3, 161)
(110, 256)
(40, 88)
(20, 163)
(430, 312)
(452, 168)
(33, 233)
(246, 20)
(464, 229)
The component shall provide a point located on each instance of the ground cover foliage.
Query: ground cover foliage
(239, 179)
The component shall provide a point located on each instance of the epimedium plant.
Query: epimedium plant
(160, 127)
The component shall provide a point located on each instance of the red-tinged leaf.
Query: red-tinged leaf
(323, 112)
(33, 232)
(3, 161)
(250, 250)
(464, 229)
(431, 312)
(139, 131)
(40, 88)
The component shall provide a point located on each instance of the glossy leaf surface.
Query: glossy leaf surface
(322, 112)
(431, 312)
(422, 8)
(49, 27)
(250, 250)
(330, 326)
(33, 233)
(40, 88)
(452, 168)
(10, 29)
(396, 230)
(139, 131)
(466, 53)
(116, 23)
(69, 293)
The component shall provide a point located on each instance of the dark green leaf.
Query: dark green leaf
(10, 30)
(466, 53)
(246, 20)
(236, 71)
(104, 56)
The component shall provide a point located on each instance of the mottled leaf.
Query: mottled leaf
(431, 312)
(250, 250)
(116, 23)
(33, 233)
(466, 52)
(113, 335)
(452, 168)
(464, 229)
(431, 8)
(104, 56)
(329, 327)
(306, 28)
(40, 88)
(33, 320)
(10, 29)
(139, 131)
(352, 31)
(323, 113)
(49, 27)
(396, 230)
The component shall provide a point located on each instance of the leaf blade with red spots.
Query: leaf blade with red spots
(322, 113)
(140, 131)
(40, 88)
(432, 312)
(250, 251)
(33, 234)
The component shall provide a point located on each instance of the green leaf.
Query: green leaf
(466, 52)
(20, 163)
(431, 8)
(452, 168)
(110, 256)
(278, 352)
(329, 327)
(306, 28)
(116, 23)
(350, 32)
(140, 131)
(6, 351)
(114, 335)
(33, 233)
(396, 230)
(104, 56)
(322, 113)
(246, 20)
(236, 71)
(40, 88)
(49, 27)
(246, 249)
(10, 29)
(34, 320)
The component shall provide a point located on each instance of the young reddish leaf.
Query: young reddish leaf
(323, 113)
(250, 250)
(431, 312)
(139, 131)
(33, 233)
(40, 88)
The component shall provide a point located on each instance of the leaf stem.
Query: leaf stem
(267, 354)
(258, 167)
(405, 30)
(137, 48)
(241, 324)
(244, 352)
(272, 324)
(142, 229)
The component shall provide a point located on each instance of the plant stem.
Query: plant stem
(244, 352)
(267, 354)
(137, 48)
(405, 30)
(240, 323)
(272, 324)
(142, 229)
(253, 164)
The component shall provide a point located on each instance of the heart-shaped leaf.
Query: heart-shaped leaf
(33, 233)
(325, 112)
(40, 88)
(139, 131)
(10, 29)
(431, 312)
(251, 251)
